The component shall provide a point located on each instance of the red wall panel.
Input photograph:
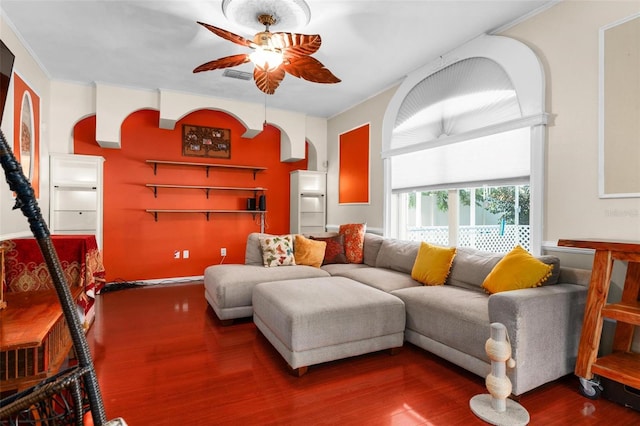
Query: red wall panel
(354, 166)
(136, 247)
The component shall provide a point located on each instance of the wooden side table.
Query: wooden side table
(622, 365)
(34, 338)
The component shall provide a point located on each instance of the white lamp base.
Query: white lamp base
(514, 415)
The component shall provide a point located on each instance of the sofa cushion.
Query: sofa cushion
(353, 241)
(471, 266)
(380, 278)
(455, 317)
(253, 252)
(334, 251)
(518, 269)
(432, 264)
(398, 255)
(372, 243)
(231, 286)
(277, 250)
(308, 252)
(555, 272)
(338, 269)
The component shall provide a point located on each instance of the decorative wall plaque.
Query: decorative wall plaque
(207, 142)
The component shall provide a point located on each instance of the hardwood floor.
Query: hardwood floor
(163, 358)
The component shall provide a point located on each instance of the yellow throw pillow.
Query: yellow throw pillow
(308, 252)
(516, 270)
(432, 264)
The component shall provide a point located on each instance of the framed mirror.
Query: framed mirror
(619, 114)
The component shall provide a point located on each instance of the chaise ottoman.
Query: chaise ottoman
(315, 320)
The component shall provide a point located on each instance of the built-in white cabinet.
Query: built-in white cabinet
(308, 202)
(76, 188)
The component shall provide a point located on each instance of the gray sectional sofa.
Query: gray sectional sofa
(451, 321)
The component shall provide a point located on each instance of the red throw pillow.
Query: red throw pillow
(334, 252)
(353, 241)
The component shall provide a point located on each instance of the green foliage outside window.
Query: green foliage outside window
(499, 200)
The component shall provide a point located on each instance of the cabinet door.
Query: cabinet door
(75, 221)
(67, 170)
(75, 199)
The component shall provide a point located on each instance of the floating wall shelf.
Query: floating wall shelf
(207, 166)
(155, 187)
(155, 213)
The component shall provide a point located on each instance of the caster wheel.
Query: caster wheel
(590, 389)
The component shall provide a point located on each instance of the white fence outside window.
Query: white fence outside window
(493, 238)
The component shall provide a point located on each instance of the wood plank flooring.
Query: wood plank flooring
(163, 358)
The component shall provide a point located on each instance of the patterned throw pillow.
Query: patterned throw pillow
(277, 250)
(353, 241)
(334, 252)
(309, 252)
(518, 269)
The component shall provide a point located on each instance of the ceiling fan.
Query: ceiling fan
(273, 55)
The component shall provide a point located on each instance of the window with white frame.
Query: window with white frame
(463, 150)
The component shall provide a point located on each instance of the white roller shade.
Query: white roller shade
(503, 156)
(467, 95)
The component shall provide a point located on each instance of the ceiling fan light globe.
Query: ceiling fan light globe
(266, 59)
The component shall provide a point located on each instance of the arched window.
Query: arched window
(463, 149)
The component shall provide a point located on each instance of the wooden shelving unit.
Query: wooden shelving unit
(206, 166)
(76, 194)
(621, 365)
(207, 189)
(308, 201)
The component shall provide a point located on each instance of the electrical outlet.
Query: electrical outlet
(185, 254)
(176, 254)
(223, 251)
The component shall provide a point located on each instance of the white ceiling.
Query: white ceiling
(370, 45)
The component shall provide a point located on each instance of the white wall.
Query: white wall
(12, 222)
(565, 38)
(370, 111)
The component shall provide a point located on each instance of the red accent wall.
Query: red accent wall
(354, 166)
(135, 246)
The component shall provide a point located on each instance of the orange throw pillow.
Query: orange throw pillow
(308, 252)
(353, 241)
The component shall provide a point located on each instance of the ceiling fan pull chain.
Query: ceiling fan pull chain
(265, 111)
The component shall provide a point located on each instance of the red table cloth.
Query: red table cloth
(80, 258)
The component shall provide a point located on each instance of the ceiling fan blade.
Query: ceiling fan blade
(268, 81)
(226, 62)
(309, 68)
(228, 35)
(295, 45)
